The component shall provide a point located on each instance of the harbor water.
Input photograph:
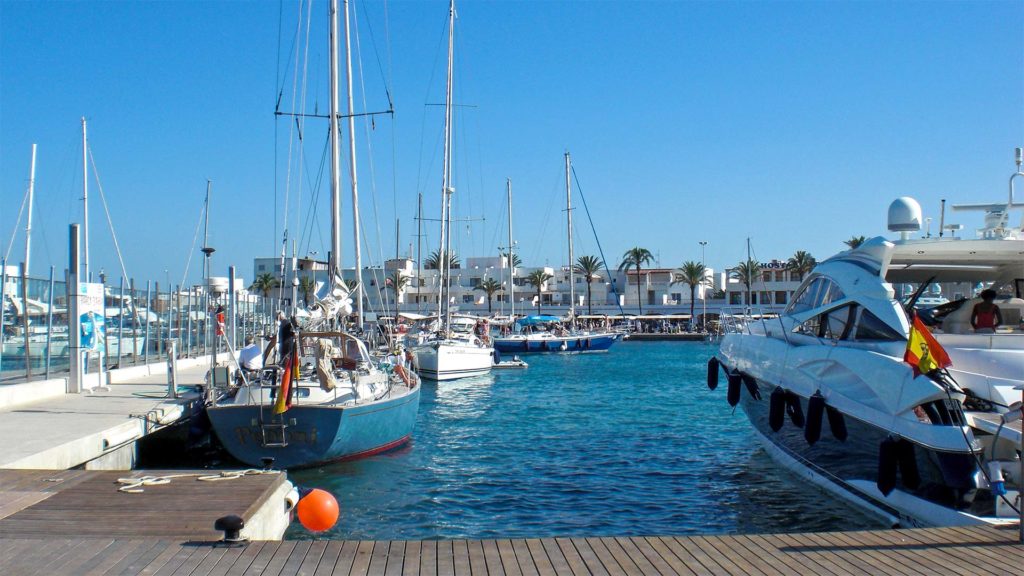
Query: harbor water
(630, 442)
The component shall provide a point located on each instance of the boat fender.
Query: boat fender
(713, 373)
(733, 393)
(526, 345)
(796, 413)
(563, 347)
(751, 385)
(586, 344)
(497, 356)
(836, 423)
(887, 462)
(908, 464)
(777, 409)
(815, 413)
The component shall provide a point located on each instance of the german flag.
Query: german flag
(924, 353)
(289, 379)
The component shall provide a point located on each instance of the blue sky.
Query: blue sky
(794, 123)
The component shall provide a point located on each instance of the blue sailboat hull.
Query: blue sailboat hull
(571, 343)
(317, 434)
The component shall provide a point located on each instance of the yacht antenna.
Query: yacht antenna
(511, 260)
(334, 259)
(942, 217)
(352, 168)
(444, 310)
(28, 221)
(568, 212)
(85, 203)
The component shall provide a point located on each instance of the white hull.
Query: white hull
(448, 360)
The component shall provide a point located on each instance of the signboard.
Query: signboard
(90, 310)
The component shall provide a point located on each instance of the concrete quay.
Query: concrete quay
(45, 428)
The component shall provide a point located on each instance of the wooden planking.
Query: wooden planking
(964, 551)
(83, 504)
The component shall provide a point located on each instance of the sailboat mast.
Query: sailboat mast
(334, 260)
(419, 246)
(511, 260)
(28, 221)
(352, 168)
(85, 202)
(568, 211)
(444, 310)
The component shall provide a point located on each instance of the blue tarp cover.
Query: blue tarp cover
(531, 320)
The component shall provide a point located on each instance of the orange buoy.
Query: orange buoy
(318, 510)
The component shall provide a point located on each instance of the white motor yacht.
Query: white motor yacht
(830, 396)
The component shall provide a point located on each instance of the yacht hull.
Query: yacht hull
(442, 361)
(548, 343)
(317, 434)
(850, 468)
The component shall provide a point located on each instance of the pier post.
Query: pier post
(231, 306)
(74, 320)
(120, 324)
(49, 326)
(145, 339)
(27, 350)
(3, 296)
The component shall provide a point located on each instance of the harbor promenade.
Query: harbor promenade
(45, 428)
(966, 551)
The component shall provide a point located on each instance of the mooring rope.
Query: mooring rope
(135, 485)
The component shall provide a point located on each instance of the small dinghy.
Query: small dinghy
(515, 362)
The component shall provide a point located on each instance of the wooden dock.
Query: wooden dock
(88, 504)
(968, 551)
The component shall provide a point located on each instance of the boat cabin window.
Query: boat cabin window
(871, 328)
(834, 324)
(819, 292)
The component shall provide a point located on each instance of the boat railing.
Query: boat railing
(740, 320)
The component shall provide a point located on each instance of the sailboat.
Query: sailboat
(344, 403)
(554, 338)
(454, 351)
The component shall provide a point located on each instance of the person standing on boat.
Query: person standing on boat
(285, 336)
(986, 315)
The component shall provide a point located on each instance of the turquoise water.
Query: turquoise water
(630, 442)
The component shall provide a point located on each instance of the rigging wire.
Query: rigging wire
(106, 210)
(600, 250)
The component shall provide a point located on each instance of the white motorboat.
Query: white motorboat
(830, 396)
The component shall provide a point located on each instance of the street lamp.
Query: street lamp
(703, 291)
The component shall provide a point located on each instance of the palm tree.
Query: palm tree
(692, 274)
(801, 263)
(747, 273)
(397, 282)
(635, 258)
(588, 266)
(516, 260)
(490, 286)
(264, 283)
(435, 260)
(306, 286)
(538, 278)
(854, 241)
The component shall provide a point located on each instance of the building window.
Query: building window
(262, 267)
(780, 276)
(467, 298)
(735, 298)
(766, 276)
(780, 297)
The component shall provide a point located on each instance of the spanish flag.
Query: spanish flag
(924, 353)
(291, 375)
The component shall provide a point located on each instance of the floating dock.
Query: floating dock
(178, 505)
(967, 551)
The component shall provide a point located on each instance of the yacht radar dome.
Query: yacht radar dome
(904, 216)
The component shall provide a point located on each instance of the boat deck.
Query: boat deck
(898, 552)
